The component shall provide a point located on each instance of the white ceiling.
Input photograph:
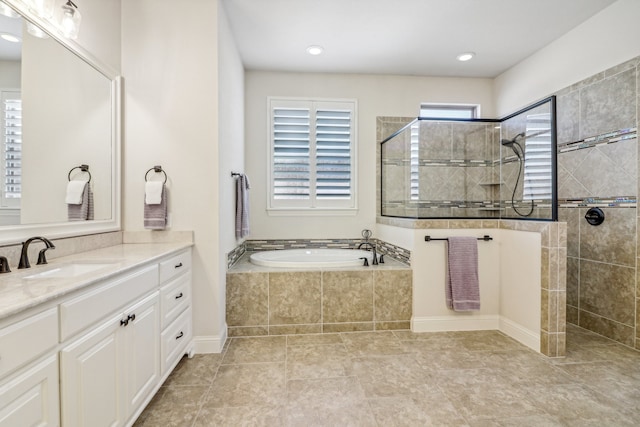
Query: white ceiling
(10, 51)
(407, 37)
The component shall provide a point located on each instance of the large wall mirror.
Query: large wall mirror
(60, 110)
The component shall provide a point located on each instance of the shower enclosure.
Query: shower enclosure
(474, 168)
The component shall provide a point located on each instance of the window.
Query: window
(11, 130)
(537, 158)
(312, 159)
(449, 111)
(440, 111)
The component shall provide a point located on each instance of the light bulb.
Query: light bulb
(69, 20)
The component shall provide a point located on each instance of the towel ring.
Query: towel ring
(83, 168)
(156, 169)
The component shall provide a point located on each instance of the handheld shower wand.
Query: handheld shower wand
(513, 143)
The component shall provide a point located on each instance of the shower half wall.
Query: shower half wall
(479, 168)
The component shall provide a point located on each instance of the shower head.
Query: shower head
(511, 143)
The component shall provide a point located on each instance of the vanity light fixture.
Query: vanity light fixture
(43, 8)
(315, 50)
(466, 56)
(10, 38)
(70, 20)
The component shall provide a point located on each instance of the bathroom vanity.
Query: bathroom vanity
(87, 340)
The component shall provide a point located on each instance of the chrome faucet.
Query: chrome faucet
(24, 257)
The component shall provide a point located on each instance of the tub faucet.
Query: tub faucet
(366, 245)
(24, 257)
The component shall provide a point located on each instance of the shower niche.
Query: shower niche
(432, 168)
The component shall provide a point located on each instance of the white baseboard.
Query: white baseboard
(455, 323)
(478, 323)
(210, 344)
(521, 334)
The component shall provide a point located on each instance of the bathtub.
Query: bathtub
(311, 258)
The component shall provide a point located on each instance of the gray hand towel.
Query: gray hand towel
(85, 210)
(155, 216)
(462, 286)
(242, 206)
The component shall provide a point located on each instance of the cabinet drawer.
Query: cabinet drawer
(27, 339)
(86, 309)
(175, 266)
(175, 340)
(175, 296)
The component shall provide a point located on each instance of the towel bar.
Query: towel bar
(485, 238)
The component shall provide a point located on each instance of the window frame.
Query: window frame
(474, 109)
(312, 204)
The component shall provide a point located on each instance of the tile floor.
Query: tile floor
(400, 378)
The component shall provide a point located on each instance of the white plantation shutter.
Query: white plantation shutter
(415, 162)
(312, 154)
(537, 163)
(11, 167)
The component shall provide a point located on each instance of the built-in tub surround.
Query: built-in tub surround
(522, 278)
(276, 301)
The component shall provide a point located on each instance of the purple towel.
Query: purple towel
(462, 287)
(242, 206)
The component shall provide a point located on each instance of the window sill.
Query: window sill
(311, 212)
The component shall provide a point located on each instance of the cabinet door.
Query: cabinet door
(31, 398)
(91, 371)
(142, 349)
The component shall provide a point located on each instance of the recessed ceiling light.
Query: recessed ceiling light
(465, 56)
(10, 38)
(315, 50)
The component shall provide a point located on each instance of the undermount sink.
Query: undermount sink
(68, 270)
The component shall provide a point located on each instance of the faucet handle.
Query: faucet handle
(4, 265)
(366, 262)
(42, 259)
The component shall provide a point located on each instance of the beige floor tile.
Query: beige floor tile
(478, 379)
(256, 416)
(398, 375)
(327, 402)
(173, 406)
(316, 361)
(256, 350)
(430, 409)
(200, 370)
(248, 385)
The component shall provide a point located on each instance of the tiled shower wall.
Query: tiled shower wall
(598, 166)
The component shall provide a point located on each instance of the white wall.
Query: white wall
(605, 40)
(509, 276)
(231, 145)
(377, 96)
(10, 74)
(100, 30)
(171, 66)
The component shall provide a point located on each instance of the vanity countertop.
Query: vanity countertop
(18, 292)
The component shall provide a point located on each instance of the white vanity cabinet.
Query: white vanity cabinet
(29, 371)
(110, 371)
(96, 355)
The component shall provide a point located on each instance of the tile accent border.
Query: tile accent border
(400, 254)
(613, 202)
(606, 138)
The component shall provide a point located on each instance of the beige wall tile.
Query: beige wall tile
(393, 297)
(294, 298)
(246, 300)
(347, 296)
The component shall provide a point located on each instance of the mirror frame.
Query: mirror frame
(16, 233)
